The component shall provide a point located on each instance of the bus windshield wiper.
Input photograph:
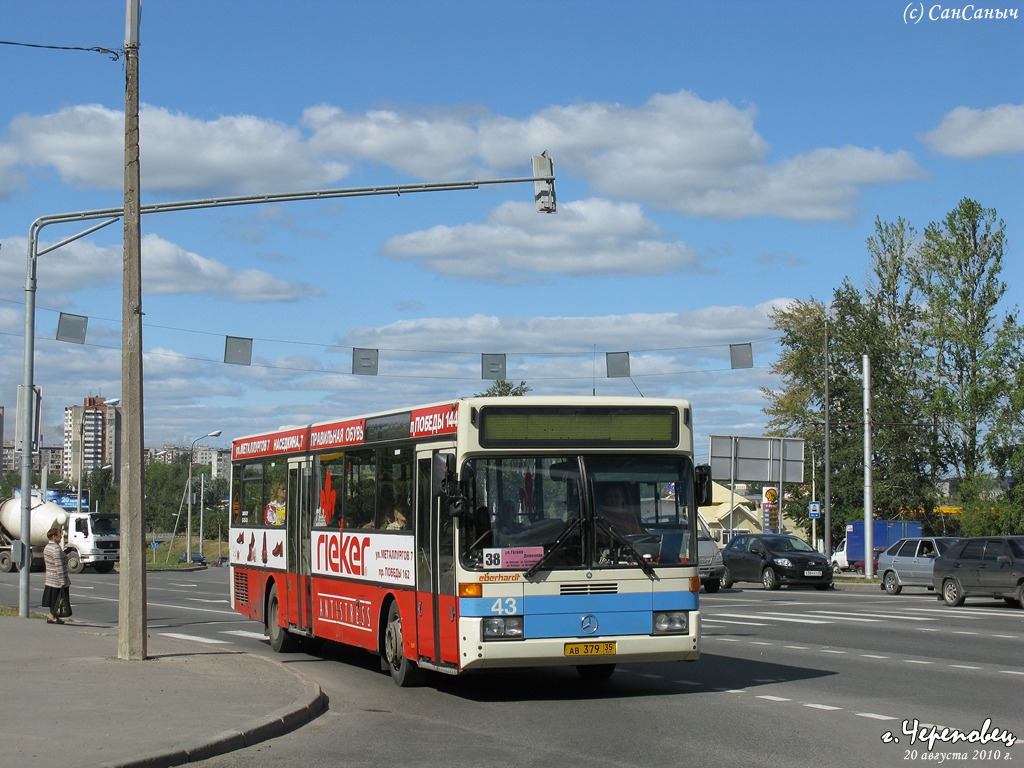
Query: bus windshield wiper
(562, 538)
(612, 531)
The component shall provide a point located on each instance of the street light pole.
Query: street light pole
(188, 517)
(132, 620)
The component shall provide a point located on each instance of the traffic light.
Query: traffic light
(544, 191)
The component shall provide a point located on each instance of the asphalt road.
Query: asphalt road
(794, 678)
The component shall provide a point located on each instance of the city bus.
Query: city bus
(483, 533)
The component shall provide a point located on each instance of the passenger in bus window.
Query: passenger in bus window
(275, 512)
(616, 510)
(400, 519)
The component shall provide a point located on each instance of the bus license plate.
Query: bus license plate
(590, 649)
(812, 573)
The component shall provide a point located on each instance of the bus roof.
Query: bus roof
(410, 423)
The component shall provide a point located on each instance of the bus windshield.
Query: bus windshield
(577, 511)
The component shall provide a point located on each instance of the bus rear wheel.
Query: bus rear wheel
(403, 671)
(281, 640)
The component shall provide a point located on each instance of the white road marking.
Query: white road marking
(745, 623)
(245, 633)
(774, 617)
(874, 616)
(195, 638)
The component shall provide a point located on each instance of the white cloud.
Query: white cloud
(975, 133)
(170, 269)
(238, 153)
(10, 178)
(678, 152)
(586, 237)
(167, 269)
(679, 354)
(674, 152)
(688, 333)
(433, 147)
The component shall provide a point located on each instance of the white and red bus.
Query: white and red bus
(483, 533)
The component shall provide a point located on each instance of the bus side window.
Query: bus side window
(360, 488)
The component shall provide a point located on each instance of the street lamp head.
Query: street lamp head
(215, 433)
(112, 401)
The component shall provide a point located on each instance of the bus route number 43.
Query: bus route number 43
(505, 606)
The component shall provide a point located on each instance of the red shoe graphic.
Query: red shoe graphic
(241, 538)
(264, 552)
(278, 550)
(251, 557)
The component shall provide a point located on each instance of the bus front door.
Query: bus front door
(436, 601)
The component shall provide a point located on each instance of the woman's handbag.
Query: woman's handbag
(62, 604)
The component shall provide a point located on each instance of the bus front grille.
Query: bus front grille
(589, 588)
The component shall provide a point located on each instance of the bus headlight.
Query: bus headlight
(671, 623)
(503, 628)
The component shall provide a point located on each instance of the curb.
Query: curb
(311, 703)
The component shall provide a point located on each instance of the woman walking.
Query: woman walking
(56, 593)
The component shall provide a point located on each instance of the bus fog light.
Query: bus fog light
(671, 623)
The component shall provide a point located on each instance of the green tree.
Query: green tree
(504, 388)
(104, 495)
(947, 378)
(165, 493)
(960, 266)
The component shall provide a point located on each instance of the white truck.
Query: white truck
(89, 539)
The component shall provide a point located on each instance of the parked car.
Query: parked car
(983, 566)
(774, 560)
(709, 558)
(222, 561)
(858, 565)
(908, 562)
(197, 559)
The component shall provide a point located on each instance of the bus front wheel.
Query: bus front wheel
(403, 671)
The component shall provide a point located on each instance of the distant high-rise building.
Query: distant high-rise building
(92, 438)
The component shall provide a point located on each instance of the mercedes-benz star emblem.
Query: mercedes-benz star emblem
(589, 623)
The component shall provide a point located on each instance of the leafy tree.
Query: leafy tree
(165, 493)
(972, 353)
(504, 388)
(104, 495)
(947, 380)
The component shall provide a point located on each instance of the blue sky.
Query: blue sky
(713, 160)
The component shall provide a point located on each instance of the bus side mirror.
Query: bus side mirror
(702, 485)
(444, 482)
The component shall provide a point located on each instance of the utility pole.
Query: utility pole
(131, 637)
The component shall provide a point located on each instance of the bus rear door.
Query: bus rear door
(297, 520)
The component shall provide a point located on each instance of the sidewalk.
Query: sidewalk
(68, 699)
